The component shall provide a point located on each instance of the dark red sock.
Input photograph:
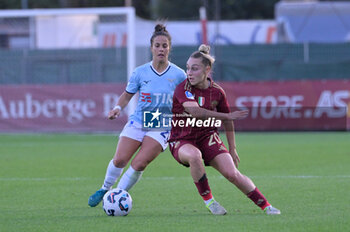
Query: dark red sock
(203, 188)
(258, 198)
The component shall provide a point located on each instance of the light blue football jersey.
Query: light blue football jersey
(155, 89)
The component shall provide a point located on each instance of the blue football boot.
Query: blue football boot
(97, 197)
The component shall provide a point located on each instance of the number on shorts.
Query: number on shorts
(214, 138)
(165, 134)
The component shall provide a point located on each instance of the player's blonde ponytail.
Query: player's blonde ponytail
(204, 53)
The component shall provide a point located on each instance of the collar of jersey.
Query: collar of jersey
(159, 74)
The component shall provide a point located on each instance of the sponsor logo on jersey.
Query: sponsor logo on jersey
(146, 97)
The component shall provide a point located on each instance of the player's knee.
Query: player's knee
(120, 162)
(195, 159)
(139, 165)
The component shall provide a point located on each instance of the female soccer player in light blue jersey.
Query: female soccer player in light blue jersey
(155, 81)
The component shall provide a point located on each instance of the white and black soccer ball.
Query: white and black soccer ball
(117, 202)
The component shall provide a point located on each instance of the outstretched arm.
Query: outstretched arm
(123, 100)
(196, 111)
(230, 136)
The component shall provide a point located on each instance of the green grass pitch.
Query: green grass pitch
(45, 182)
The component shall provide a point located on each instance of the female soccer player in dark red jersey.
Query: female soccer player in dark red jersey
(199, 105)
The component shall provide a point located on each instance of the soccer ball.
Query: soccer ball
(117, 202)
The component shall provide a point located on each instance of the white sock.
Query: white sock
(129, 179)
(208, 201)
(112, 174)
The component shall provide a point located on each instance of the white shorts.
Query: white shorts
(134, 131)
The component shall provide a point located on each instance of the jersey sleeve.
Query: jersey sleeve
(223, 105)
(134, 83)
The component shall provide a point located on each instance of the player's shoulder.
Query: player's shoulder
(177, 69)
(183, 86)
(143, 67)
(218, 88)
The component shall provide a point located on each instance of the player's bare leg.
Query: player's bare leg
(192, 156)
(225, 165)
(125, 150)
(149, 150)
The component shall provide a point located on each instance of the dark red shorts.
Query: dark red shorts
(210, 145)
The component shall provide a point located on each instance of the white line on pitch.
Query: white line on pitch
(166, 178)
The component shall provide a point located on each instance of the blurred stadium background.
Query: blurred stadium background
(62, 68)
(64, 63)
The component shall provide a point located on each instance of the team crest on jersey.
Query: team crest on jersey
(189, 95)
(214, 104)
(201, 101)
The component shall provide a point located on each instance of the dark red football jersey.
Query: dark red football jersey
(213, 98)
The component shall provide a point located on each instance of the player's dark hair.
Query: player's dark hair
(204, 53)
(160, 29)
